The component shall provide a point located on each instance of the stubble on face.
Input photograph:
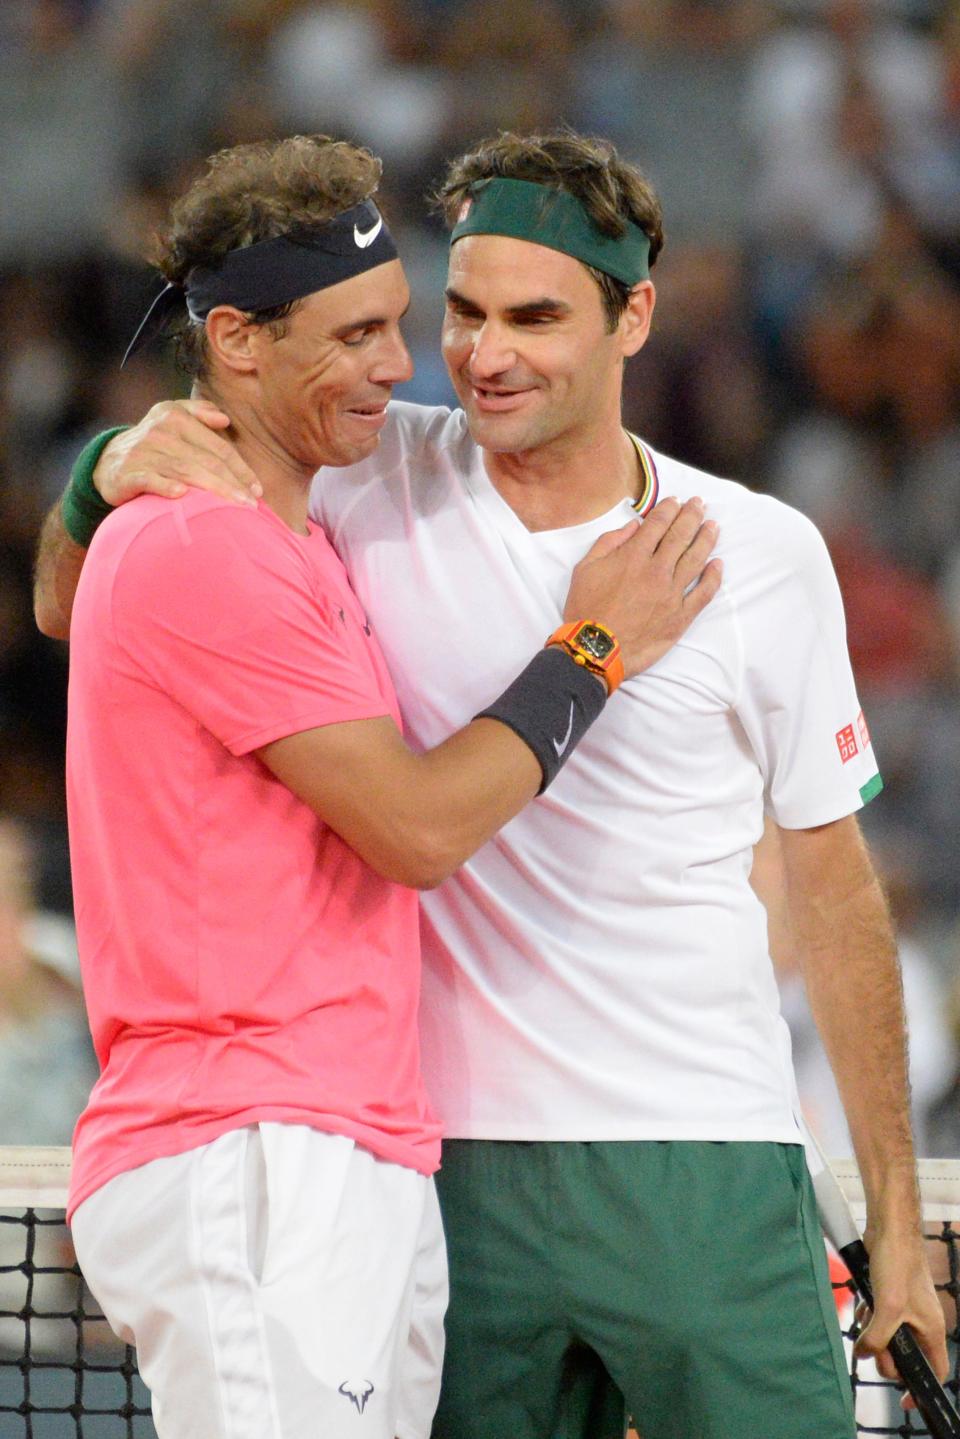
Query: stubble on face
(326, 383)
(526, 344)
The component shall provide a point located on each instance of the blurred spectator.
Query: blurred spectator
(47, 1066)
(943, 1129)
(842, 113)
(696, 389)
(60, 128)
(33, 690)
(665, 79)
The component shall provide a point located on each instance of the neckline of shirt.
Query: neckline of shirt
(486, 493)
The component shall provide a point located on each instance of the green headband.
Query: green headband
(546, 216)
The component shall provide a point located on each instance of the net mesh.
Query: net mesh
(64, 1375)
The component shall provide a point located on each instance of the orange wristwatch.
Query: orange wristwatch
(594, 647)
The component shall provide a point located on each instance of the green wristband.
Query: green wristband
(82, 507)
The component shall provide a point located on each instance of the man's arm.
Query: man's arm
(56, 576)
(842, 930)
(413, 818)
(416, 817)
(177, 443)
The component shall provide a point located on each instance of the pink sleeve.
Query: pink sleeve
(221, 611)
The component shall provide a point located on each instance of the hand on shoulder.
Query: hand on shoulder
(178, 445)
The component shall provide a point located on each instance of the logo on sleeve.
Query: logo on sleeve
(847, 743)
(864, 732)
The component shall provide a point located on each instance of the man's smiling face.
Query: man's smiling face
(323, 387)
(526, 342)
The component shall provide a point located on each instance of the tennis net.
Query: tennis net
(63, 1374)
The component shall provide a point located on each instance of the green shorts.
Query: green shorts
(683, 1284)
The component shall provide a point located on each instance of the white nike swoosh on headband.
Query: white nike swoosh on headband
(367, 237)
(560, 745)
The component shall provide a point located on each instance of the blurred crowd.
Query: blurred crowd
(806, 341)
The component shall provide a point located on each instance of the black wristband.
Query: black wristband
(550, 705)
(82, 508)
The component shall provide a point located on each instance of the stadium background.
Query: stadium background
(806, 342)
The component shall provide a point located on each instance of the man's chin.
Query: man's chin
(350, 454)
(502, 434)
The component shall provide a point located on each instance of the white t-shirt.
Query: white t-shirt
(599, 970)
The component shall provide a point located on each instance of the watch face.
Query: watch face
(594, 641)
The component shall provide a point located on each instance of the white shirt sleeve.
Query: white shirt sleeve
(798, 702)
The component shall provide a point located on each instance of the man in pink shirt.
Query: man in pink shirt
(251, 1197)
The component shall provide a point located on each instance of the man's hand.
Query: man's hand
(176, 446)
(903, 1294)
(635, 581)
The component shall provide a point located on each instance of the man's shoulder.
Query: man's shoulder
(417, 439)
(153, 551)
(151, 524)
(754, 526)
(162, 520)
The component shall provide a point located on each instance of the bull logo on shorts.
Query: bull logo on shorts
(358, 1391)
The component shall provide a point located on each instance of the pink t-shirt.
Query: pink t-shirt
(240, 961)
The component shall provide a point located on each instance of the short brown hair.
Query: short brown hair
(256, 192)
(610, 190)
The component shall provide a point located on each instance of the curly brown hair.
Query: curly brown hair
(256, 192)
(611, 190)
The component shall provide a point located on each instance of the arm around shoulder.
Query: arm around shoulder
(65, 538)
(56, 576)
(414, 818)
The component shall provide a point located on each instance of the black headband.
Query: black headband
(276, 272)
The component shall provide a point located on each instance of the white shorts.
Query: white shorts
(278, 1283)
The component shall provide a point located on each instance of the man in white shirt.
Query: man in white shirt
(629, 1218)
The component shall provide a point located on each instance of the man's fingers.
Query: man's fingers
(657, 523)
(178, 445)
(207, 459)
(694, 558)
(681, 533)
(208, 473)
(205, 410)
(875, 1338)
(180, 438)
(704, 590)
(610, 540)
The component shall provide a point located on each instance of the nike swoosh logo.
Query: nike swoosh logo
(367, 237)
(561, 744)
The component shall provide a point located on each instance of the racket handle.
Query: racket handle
(938, 1413)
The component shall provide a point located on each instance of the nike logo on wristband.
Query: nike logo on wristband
(367, 237)
(561, 744)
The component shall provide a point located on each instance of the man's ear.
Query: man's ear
(634, 325)
(231, 338)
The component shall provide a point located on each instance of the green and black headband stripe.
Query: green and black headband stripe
(277, 271)
(525, 210)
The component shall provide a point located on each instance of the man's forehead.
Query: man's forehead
(510, 272)
(382, 289)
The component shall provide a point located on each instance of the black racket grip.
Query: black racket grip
(931, 1398)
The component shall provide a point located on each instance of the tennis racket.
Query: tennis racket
(932, 1400)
